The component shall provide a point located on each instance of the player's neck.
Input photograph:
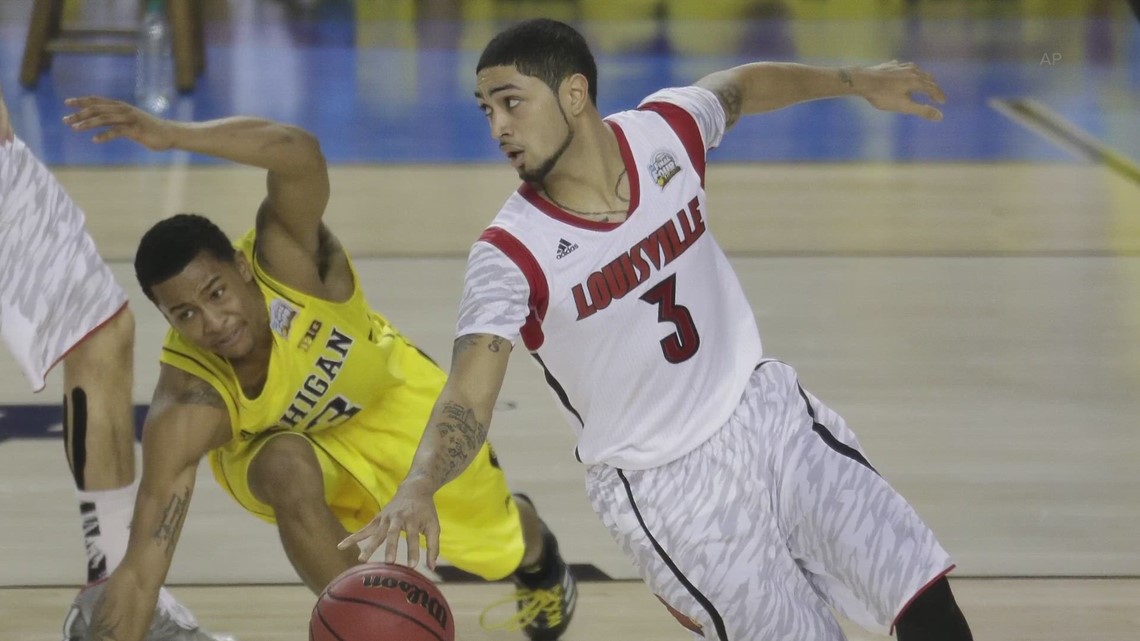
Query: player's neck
(590, 179)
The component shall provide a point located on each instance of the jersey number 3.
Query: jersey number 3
(679, 346)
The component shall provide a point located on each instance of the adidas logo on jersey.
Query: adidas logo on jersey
(564, 249)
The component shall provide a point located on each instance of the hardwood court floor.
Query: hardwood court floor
(999, 610)
(977, 325)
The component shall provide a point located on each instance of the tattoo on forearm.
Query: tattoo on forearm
(102, 626)
(462, 435)
(172, 517)
(845, 78)
(462, 344)
(732, 99)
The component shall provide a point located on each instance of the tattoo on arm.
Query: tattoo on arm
(462, 436)
(845, 78)
(466, 342)
(732, 99)
(172, 517)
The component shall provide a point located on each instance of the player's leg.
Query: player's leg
(701, 533)
(62, 304)
(288, 477)
(861, 545)
(99, 438)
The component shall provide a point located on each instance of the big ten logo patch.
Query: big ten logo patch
(310, 335)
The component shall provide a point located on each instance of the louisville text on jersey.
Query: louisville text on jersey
(633, 267)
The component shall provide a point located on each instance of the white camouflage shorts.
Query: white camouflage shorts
(778, 516)
(55, 289)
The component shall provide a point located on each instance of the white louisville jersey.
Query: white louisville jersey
(644, 332)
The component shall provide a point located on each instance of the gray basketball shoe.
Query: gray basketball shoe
(172, 621)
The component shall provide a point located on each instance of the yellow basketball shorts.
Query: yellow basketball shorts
(364, 460)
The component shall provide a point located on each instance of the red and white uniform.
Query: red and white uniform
(746, 504)
(643, 329)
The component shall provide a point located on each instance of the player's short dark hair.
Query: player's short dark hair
(546, 49)
(169, 246)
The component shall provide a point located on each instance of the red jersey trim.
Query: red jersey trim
(685, 126)
(917, 594)
(527, 191)
(502, 239)
(74, 345)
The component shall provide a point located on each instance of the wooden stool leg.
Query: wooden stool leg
(39, 31)
(182, 28)
(199, 37)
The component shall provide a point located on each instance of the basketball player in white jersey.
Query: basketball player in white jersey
(746, 504)
(59, 302)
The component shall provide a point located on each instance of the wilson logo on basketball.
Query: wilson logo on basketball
(415, 595)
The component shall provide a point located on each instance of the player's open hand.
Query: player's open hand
(412, 510)
(6, 134)
(892, 85)
(118, 119)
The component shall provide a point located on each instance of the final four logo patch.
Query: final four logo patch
(663, 168)
(281, 315)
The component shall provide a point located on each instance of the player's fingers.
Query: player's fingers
(926, 111)
(413, 541)
(934, 91)
(431, 533)
(357, 536)
(110, 134)
(392, 542)
(375, 535)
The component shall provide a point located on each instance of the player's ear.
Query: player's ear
(576, 90)
(243, 267)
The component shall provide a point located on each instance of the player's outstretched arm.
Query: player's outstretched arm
(298, 181)
(6, 134)
(766, 86)
(455, 432)
(187, 418)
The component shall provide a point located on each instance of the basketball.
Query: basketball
(381, 602)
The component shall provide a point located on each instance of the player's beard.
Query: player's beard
(537, 175)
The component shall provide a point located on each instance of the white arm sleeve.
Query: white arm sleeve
(496, 296)
(702, 105)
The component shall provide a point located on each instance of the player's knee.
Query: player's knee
(933, 616)
(285, 473)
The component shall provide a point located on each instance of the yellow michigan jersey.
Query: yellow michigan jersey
(343, 378)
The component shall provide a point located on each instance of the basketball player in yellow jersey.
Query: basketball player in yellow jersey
(308, 404)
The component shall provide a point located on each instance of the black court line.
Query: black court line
(1052, 126)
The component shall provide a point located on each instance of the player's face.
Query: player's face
(215, 305)
(527, 120)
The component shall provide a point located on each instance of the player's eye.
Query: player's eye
(185, 315)
(513, 102)
(217, 293)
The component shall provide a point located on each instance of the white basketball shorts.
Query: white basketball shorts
(778, 516)
(55, 289)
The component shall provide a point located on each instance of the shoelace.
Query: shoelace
(534, 604)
